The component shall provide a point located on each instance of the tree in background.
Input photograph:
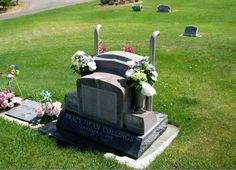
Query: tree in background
(6, 3)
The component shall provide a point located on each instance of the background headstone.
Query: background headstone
(163, 8)
(137, 7)
(191, 31)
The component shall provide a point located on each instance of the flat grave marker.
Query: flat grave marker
(163, 8)
(191, 31)
(25, 111)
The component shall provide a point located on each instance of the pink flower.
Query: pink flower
(4, 104)
(48, 106)
(10, 105)
(39, 111)
(2, 97)
(9, 95)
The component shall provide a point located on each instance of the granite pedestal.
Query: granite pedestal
(72, 126)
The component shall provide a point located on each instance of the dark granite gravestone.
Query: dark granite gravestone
(137, 7)
(25, 112)
(129, 143)
(102, 108)
(191, 31)
(163, 8)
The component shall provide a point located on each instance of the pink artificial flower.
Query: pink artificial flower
(4, 104)
(2, 97)
(39, 111)
(48, 106)
(9, 94)
(10, 105)
(50, 112)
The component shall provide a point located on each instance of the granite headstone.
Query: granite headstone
(137, 8)
(163, 8)
(103, 109)
(191, 31)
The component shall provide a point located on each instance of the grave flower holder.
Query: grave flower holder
(139, 101)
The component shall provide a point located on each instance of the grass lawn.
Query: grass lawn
(196, 87)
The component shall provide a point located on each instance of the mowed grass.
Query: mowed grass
(196, 87)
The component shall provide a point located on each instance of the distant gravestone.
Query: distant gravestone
(137, 7)
(163, 8)
(191, 31)
(25, 112)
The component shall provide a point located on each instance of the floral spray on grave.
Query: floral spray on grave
(141, 76)
(82, 64)
(48, 111)
(7, 97)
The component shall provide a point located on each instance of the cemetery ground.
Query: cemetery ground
(196, 87)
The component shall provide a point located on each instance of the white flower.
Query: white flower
(17, 100)
(10, 76)
(80, 53)
(48, 106)
(147, 89)
(57, 105)
(129, 73)
(153, 78)
(92, 66)
(131, 63)
(154, 73)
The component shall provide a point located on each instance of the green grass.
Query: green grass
(196, 87)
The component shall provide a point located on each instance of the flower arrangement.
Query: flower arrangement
(129, 49)
(82, 63)
(102, 48)
(8, 100)
(141, 76)
(49, 110)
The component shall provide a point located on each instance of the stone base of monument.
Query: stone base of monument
(158, 146)
(72, 126)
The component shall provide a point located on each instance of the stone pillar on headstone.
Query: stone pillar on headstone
(96, 39)
(149, 100)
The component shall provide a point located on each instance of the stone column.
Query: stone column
(149, 100)
(96, 39)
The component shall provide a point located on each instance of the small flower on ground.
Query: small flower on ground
(57, 105)
(39, 111)
(49, 110)
(7, 100)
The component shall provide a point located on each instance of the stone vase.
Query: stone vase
(139, 101)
